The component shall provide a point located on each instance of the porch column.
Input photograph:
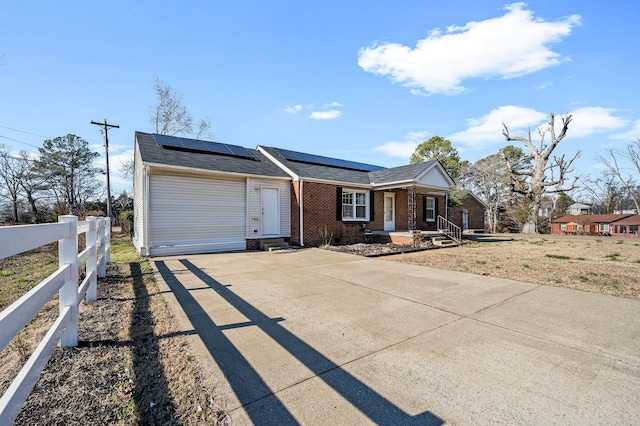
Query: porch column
(411, 211)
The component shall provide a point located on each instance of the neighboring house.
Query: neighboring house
(626, 207)
(578, 209)
(192, 196)
(339, 200)
(470, 213)
(627, 227)
(586, 224)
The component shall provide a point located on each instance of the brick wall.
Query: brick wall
(476, 213)
(319, 218)
(320, 224)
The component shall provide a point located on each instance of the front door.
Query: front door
(270, 211)
(389, 212)
(465, 220)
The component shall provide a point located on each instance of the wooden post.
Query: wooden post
(102, 267)
(92, 262)
(68, 255)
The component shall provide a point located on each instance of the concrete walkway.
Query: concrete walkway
(318, 337)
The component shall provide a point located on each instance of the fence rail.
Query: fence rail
(65, 281)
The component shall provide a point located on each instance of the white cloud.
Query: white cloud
(630, 135)
(293, 109)
(325, 115)
(486, 130)
(589, 120)
(509, 46)
(403, 149)
(327, 111)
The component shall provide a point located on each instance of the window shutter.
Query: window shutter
(424, 208)
(371, 203)
(435, 208)
(338, 204)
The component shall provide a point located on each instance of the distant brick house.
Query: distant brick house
(470, 213)
(627, 227)
(340, 200)
(586, 224)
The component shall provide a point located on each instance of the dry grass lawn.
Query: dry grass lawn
(601, 265)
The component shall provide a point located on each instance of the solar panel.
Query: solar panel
(165, 140)
(193, 144)
(326, 161)
(208, 147)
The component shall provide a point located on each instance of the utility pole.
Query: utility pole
(106, 128)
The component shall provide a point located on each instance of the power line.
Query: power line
(24, 131)
(16, 140)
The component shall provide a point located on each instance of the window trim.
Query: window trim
(427, 209)
(367, 207)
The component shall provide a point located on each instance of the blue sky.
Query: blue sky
(360, 80)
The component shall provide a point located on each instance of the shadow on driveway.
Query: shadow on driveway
(247, 383)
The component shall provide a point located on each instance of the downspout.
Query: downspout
(446, 206)
(301, 216)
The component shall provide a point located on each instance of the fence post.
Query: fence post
(68, 255)
(92, 262)
(107, 249)
(102, 267)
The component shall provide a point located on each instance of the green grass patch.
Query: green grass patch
(580, 258)
(598, 240)
(613, 256)
(481, 262)
(583, 278)
(526, 266)
(619, 242)
(558, 256)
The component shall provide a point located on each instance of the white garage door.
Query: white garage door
(196, 215)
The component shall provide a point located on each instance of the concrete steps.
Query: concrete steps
(443, 241)
(272, 244)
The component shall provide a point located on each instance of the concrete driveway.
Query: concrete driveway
(318, 337)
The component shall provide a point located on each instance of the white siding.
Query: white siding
(138, 201)
(254, 200)
(434, 178)
(196, 214)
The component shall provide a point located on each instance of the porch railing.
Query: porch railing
(450, 229)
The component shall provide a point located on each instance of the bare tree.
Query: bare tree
(630, 153)
(169, 116)
(543, 177)
(606, 192)
(12, 171)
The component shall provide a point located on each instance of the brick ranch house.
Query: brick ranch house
(627, 227)
(193, 196)
(591, 224)
(339, 200)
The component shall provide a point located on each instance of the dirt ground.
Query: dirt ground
(131, 367)
(600, 265)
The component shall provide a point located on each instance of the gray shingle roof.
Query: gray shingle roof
(408, 173)
(154, 153)
(400, 173)
(316, 171)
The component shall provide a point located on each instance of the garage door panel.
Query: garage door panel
(196, 215)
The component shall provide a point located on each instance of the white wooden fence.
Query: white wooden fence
(18, 239)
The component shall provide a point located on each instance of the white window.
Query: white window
(603, 227)
(430, 209)
(563, 226)
(355, 204)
